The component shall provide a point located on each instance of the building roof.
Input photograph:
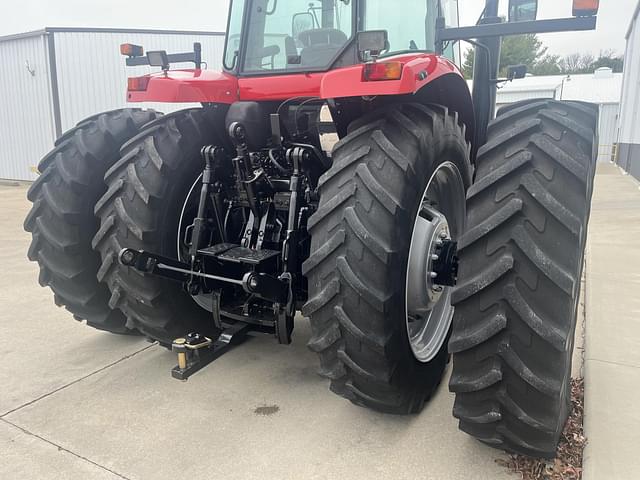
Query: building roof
(593, 88)
(600, 87)
(47, 30)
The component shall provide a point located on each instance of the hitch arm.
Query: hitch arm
(166, 267)
(212, 156)
(261, 284)
(196, 352)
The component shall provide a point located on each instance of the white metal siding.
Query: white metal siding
(92, 75)
(608, 131)
(630, 104)
(508, 97)
(26, 117)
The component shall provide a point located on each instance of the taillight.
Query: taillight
(375, 72)
(131, 50)
(137, 84)
(585, 8)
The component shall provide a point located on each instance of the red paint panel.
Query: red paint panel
(280, 87)
(185, 86)
(202, 86)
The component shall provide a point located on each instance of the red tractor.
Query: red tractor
(429, 229)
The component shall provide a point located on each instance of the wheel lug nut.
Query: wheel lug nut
(127, 257)
(435, 257)
(433, 275)
(443, 235)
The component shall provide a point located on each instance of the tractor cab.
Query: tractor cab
(280, 50)
(278, 36)
(335, 51)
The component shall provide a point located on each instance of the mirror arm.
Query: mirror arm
(516, 28)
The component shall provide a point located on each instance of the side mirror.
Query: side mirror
(372, 43)
(523, 10)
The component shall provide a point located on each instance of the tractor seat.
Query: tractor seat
(320, 45)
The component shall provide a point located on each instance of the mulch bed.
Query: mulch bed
(568, 462)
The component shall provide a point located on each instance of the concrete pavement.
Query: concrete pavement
(612, 358)
(76, 404)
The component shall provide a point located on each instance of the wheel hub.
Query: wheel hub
(424, 289)
(433, 265)
(445, 263)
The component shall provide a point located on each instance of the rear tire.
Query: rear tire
(361, 236)
(62, 221)
(141, 210)
(520, 273)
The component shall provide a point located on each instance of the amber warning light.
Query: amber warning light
(374, 72)
(131, 50)
(137, 84)
(585, 8)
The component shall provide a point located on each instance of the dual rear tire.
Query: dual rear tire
(120, 179)
(520, 274)
(520, 256)
(62, 222)
(141, 209)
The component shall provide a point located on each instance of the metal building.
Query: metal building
(629, 124)
(53, 78)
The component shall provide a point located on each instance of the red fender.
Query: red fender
(186, 86)
(205, 86)
(417, 72)
(427, 78)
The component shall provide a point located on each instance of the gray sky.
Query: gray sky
(24, 15)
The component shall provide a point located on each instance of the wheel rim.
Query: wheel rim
(440, 217)
(187, 215)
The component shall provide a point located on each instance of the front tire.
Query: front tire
(520, 270)
(361, 237)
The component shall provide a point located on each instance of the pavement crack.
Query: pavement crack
(583, 317)
(77, 380)
(610, 362)
(63, 449)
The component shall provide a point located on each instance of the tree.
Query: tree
(521, 50)
(548, 65)
(467, 64)
(608, 58)
(577, 63)
(586, 63)
(528, 50)
(516, 50)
